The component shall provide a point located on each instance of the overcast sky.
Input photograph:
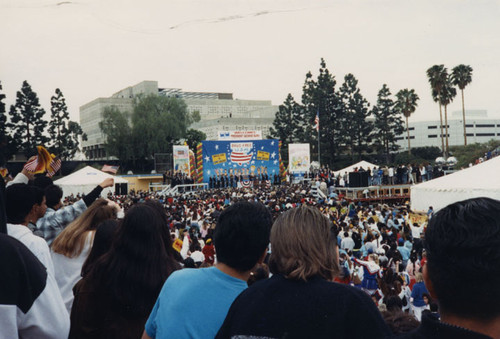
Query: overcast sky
(256, 49)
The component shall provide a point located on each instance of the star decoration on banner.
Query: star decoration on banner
(262, 147)
(275, 162)
(209, 172)
(207, 158)
(216, 147)
(273, 155)
(272, 143)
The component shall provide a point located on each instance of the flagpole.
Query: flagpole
(319, 144)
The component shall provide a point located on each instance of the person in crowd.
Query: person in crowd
(30, 302)
(72, 246)
(371, 270)
(462, 243)
(241, 238)
(103, 238)
(114, 299)
(299, 300)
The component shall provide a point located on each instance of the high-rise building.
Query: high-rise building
(218, 112)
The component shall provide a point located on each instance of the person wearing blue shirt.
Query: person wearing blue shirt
(194, 302)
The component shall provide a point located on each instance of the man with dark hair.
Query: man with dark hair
(241, 239)
(462, 272)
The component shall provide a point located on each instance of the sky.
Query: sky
(255, 49)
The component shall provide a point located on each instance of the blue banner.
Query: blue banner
(244, 157)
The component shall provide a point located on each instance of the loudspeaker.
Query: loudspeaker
(121, 189)
(364, 179)
(358, 179)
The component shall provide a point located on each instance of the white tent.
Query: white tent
(85, 180)
(482, 180)
(362, 163)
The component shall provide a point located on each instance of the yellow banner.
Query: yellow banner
(177, 245)
(261, 155)
(219, 158)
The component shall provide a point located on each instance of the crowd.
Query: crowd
(160, 266)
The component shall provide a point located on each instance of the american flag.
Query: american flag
(110, 169)
(246, 183)
(241, 158)
(316, 122)
(55, 165)
(32, 164)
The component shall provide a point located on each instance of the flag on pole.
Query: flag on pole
(316, 122)
(54, 166)
(110, 169)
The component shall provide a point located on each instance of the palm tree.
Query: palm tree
(406, 103)
(448, 93)
(437, 75)
(462, 76)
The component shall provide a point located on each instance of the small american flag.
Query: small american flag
(55, 165)
(316, 122)
(110, 169)
(32, 164)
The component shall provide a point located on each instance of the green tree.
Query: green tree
(157, 123)
(6, 142)
(319, 97)
(194, 137)
(64, 134)
(196, 116)
(406, 104)
(26, 121)
(388, 123)
(462, 76)
(356, 126)
(115, 126)
(287, 124)
(437, 76)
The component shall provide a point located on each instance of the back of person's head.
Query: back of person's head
(71, 241)
(42, 181)
(19, 200)
(260, 272)
(242, 235)
(133, 271)
(303, 245)
(103, 239)
(462, 244)
(53, 195)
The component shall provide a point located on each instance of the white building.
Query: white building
(218, 112)
(479, 129)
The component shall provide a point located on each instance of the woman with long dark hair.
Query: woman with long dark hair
(115, 298)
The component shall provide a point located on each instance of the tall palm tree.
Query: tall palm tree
(437, 75)
(406, 103)
(448, 93)
(461, 76)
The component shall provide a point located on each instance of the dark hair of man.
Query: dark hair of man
(463, 251)
(133, 271)
(42, 181)
(19, 200)
(242, 235)
(53, 195)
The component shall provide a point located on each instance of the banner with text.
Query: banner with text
(240, 135)
(299, 158)
(181, 159)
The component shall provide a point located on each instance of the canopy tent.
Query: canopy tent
(482, 180)
(85, 180)
(362, 163)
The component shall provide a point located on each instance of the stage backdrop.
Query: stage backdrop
(245, 157)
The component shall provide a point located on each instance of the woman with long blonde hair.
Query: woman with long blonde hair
(72, 246)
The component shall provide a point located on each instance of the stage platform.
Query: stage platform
(385, 193)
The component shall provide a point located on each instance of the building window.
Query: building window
(470, 134)
(485, 125)
(432, 136)
(432, 127)
(485, 134)
(411, 128)
(469, 125)
(399, 138)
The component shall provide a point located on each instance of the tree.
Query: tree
(6, 142)
(27, 121)
(462, 76)
(357, 127)
(194, 137)
(64, 133)
(287, 123)
(388, 123)
(437, 75)
(157, 123)
(448, 93)
(115, 126)
(406, 104)
(319, 97)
